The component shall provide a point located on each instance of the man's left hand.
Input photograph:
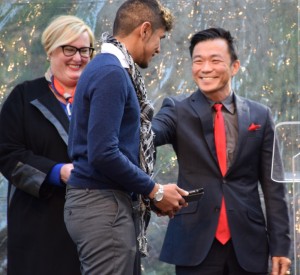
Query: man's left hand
(280, 265)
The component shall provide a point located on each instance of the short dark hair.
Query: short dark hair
(215, 33)
(133, 13)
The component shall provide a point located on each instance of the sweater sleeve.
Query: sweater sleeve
(113, 130)
(53, 176)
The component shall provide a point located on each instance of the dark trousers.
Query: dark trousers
(221, 260)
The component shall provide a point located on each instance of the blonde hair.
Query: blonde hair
(63, 30)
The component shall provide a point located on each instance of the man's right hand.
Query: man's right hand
(172, 200)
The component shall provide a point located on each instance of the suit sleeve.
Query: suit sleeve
(164, 123)
(275, 195)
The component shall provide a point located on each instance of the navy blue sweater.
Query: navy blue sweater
(105, 130)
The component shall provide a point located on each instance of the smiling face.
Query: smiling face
(212, 68)
(150, 47)
(67, 70)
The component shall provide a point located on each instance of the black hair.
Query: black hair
(214, 33)
(133, 13)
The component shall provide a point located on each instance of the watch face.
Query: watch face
(159, 196)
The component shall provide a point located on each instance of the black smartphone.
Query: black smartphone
(194, 195)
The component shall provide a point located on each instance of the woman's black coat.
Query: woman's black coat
(33, 138)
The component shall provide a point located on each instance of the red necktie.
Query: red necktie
(223, 232)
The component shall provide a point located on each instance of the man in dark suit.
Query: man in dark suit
(231, 189)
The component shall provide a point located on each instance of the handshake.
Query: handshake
(169, 199)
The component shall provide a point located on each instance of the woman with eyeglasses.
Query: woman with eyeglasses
(34, 124)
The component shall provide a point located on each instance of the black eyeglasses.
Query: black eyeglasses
(84, 52)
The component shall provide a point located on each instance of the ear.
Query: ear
(146, 30)
(49, 56)
(235, 66)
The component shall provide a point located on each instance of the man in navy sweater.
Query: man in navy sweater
(111, 144)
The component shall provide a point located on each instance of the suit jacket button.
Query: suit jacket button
(217, 209)
(224, 181)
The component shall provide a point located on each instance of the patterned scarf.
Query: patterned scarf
(146, 137)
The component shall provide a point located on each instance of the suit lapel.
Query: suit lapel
(243, 117)
(202, 108)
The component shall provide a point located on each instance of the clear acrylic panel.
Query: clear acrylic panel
(288, 138)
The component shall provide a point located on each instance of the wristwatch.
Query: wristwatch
(158, 196)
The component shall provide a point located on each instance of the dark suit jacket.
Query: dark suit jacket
(188, 126)
(33, 138)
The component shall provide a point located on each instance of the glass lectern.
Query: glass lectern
(288, 137)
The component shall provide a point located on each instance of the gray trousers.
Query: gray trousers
(100, 222)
